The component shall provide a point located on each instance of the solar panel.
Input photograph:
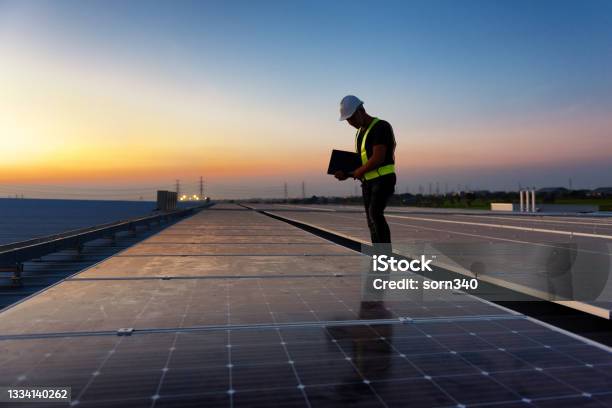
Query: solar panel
(282, 339)
(536, 257)
(91, 305)
(374, 359)
(234, 249)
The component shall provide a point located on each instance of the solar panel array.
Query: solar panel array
(565, 258)
(231, 308)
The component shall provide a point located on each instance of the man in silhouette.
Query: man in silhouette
(375, 144)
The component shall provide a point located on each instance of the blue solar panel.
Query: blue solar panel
(288, 341)
(250, 364)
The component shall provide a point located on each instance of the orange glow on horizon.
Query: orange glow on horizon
(77, 125)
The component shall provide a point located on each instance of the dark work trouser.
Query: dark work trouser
(376, 194)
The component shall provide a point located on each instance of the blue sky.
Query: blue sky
(486, 93)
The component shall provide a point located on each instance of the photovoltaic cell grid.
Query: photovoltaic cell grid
(428, 364)
(91, 305)
(283, 340)
(262, 265)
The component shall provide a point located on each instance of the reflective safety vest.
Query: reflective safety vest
(382, 170)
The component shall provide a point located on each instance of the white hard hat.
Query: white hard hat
(348, 105)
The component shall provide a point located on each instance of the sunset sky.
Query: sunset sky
(118, 98)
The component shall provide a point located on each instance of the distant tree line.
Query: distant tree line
(467, 199)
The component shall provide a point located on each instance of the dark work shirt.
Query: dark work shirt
(380, 134)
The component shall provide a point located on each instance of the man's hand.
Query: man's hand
(340, 175)
(358, 174)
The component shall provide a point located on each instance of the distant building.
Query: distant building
(602, 192)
